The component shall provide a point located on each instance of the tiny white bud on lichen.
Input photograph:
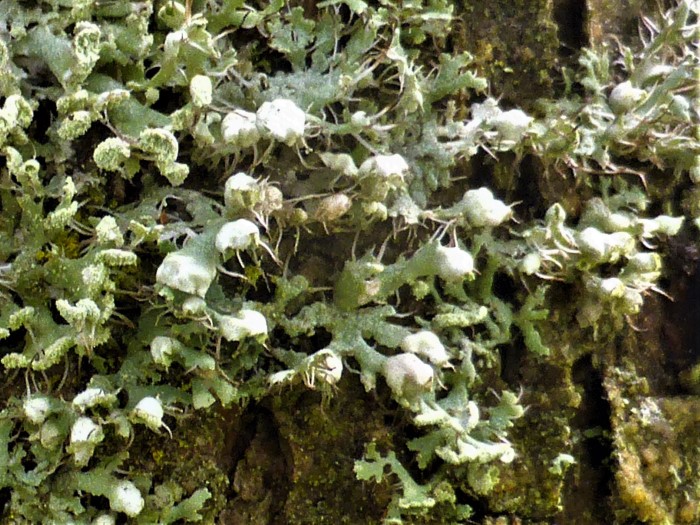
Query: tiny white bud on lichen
(36, 409)
(91, 397)
(185, 273)
(428, 345)
(340, 162)
(612, 287)
(150, 411)
(482, 209)
(454, 263)
(246, 323)
(624, 97)
(282, 120)
(126, 498)
(237, 235)
(239, 128)
(530, 264)
(593, 242)
(111, 153)
(407, 375)
(194, 306)
(201, 90)
(644, 262)
(384, 166)
(85, 434)
(360, 119)
(485, 110)
(511, 125)
(330, 367)
(85, 430)
(661, 225)
(162, 349)
(107, 231)
(604, 247)
(241, 192)
(104, 519)
(333, 207)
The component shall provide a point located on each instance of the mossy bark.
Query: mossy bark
(612, 402)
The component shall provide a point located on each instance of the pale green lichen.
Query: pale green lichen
(207, 222)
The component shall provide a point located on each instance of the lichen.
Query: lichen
(214, 215)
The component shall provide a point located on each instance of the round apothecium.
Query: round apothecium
(624, 97)
(384, 166)
(150, 411)
(282, 120)
(454, 263)
(483, 209)
(407, 375)
(511, 125)
(36, 409)
(333, 207)
(239, 128)
(331, 366)
(426, 344)
(201, 90)
(237, 235)
(185, 273)
(126, 498)
(91, 397)
(84, 429)
(246, 323)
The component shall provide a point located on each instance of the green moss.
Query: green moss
(515, 46)
(321, 442)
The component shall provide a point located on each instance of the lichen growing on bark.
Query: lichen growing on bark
(233, 232)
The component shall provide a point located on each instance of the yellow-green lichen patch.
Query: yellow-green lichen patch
(656, 451)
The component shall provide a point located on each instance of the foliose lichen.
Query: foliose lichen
(169, 169)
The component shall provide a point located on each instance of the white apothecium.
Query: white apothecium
(426, 344)
(239, 128)
(384, 166)
(237, 235)
(85, 434)
(407, 375)
(36, 409)
(454, 263)
(150, 412)
(482, 209)
(104, 519)
(126, 498)
(201, 90)
(511, 125)
(185, 273)
(246, 323)
(93, 396)
(241, 192)
(282, 120)
(624, 97)
(330, 367)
